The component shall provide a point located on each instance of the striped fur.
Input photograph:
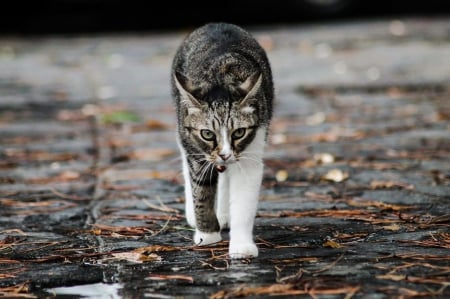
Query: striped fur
(223, 93)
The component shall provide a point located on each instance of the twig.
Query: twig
(66, 196)
(162, 207)
(163, 228)
(326, 268)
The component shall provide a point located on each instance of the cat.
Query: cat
(223, 92)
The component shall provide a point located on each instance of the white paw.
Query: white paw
(243, 251)
(201, 238)
(223, 220)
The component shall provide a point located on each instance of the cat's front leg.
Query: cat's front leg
(207, 226)
(244, 195)
(222, 205)
(203, 189)
(189, 199)
(245, 183)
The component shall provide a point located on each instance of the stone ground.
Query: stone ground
(356, 192)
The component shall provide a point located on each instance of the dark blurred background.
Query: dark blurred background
(88, 16)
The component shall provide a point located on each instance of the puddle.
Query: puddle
(94, 291)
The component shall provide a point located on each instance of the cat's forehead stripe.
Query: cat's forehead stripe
(221, 116)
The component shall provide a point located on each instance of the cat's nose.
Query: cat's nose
(225, 156)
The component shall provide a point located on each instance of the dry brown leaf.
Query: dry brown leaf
(362, 202)
(8, 261)
(171, 277)
(16, 291)
(65, 176)
(392, 227)
(154, 124)
(281, 289)
(157, 248)
(390, 184)
(406, 292)
(332, 244)
(394, 277)
(136, 257)
(435, 240)
(357, 214)
(114, 175)
(119, 231)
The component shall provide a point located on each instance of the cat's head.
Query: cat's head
(219, 122)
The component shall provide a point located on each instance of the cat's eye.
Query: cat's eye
(208, 135)
(238, 133)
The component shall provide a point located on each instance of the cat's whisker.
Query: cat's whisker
(211, 172)
(256, 161)
(201, 160)
(247, 155)
(192, 155)
(251, 152)
(200, 176)
(243, 171)
(203, 172)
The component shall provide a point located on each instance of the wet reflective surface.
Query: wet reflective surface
(355, 198)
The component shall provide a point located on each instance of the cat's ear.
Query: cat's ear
(250, 88)
(185, 87)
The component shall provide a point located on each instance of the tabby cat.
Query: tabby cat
(223, 92)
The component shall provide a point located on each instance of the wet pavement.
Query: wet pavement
(356, 193)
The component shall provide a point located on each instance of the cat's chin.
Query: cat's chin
(221, 168)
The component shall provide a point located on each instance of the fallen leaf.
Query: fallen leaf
(390, 184)
(362, 202)
(16, 291)
(65, 176)
(169, 277)
(394, 277)
(154, 124)
(157, 248)
(136, 257)
(392, 227)
(282, 290)
(332, 244)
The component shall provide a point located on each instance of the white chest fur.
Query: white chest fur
(237, 199)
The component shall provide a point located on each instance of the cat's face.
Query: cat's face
(221, 132)
(220, 129)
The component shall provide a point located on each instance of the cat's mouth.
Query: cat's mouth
(221, 168)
